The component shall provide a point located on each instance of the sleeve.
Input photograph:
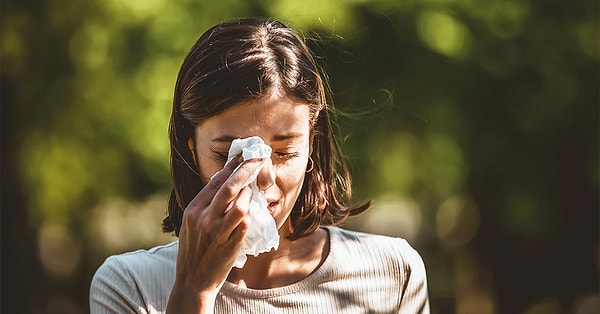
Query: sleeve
(113, 290)
(414, 297)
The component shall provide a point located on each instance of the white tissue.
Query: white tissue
(262, 233)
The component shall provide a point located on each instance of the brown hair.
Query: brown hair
(241, 60)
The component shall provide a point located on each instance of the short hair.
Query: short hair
(243, 60)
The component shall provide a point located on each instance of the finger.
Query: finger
(230, 189)
(238, 211)
(206, 194)
(239, 232)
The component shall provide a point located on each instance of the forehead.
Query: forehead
(267, 117)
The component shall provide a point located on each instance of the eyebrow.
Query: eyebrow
(276, 138)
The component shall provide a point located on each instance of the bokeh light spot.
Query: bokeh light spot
(545, 306)
(443, 34)
(136, 10)
(473, 301)
(587, 304)
(457, 221)
(89, 46)
(587, 34)
(58, 252)
(333, 15)
(51, 165)
(394, 217)
(444, 166)
(119, 224)
(395, 167)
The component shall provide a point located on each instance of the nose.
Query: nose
(266, 176)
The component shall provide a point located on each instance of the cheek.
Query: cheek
(290, 181)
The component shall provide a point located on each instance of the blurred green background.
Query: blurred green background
(472, 124)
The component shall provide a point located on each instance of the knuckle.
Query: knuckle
(193, 215)
(238, 211)
(229, 189)
(188, 214)
(244, 224)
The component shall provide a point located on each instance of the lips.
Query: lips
(272, 207)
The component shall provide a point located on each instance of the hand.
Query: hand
(210, 237)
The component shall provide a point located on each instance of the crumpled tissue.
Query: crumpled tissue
(262, 235)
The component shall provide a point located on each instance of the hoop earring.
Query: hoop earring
(312, 164)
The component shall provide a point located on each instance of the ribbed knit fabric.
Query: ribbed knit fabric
(363, 273)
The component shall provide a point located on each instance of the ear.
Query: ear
(192, 147)
(310, 143)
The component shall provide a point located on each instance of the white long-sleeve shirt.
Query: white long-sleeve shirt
(363, 273)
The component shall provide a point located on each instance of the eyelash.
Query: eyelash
(287, 156)
(221, 156)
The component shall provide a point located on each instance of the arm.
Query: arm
(213, 227)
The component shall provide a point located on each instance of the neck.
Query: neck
(291, 262)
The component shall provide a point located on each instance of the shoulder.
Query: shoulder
(140, 260)
(128, 280)
(139, 263)
(371, 240)
(391, 249)
(388, 265)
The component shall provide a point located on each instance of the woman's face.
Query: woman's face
(284, 124)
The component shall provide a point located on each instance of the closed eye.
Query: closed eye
(221, 156)
(287, 156)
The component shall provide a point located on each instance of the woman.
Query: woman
(256, 77)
